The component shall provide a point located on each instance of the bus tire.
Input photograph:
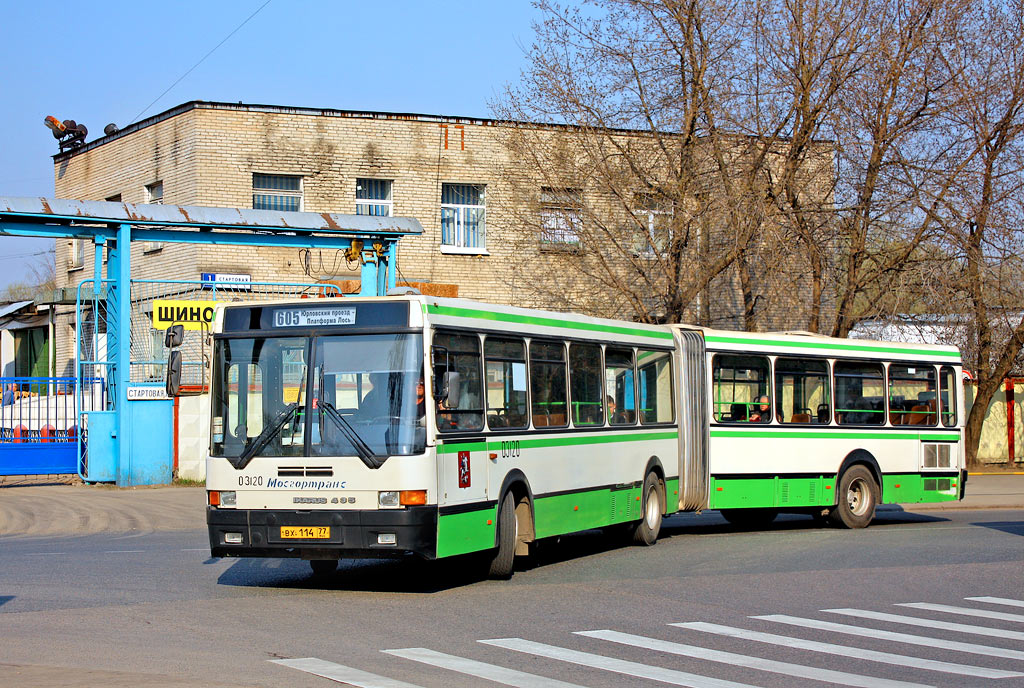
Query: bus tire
(858, 496)
(749, 518)
(646, 531)
(504, 555)
(323, 567)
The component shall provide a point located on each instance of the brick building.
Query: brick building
(456, 175)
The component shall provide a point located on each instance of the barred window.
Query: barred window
(560, 217)
(463, 216)
(373, 197)
(276, 192)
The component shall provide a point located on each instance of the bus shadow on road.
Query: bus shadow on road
(405, 575)
(417, 576)
(1010, 527)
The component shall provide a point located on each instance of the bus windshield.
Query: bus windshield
(366, 400)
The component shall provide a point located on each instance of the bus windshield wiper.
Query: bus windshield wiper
(263, 439)
(361, 447)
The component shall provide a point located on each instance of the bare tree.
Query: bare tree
(642, 199)
(983, 214)
(41, 282)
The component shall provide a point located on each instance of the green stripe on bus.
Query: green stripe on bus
(820, 345)
(837, 435)
(470, 531)
(544, 322)
(567, 441)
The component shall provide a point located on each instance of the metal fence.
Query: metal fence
(42, 409)
(148, 355)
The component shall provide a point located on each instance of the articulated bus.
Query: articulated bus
(416, 425)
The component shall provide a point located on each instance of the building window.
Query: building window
(463, 225)
(76, 254)
(276, 192)
(654, 216)
(373, 197)
(154, 196)
(560, 217)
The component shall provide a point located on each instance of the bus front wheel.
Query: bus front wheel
(646, 532)
(858, 495)
(504, 556)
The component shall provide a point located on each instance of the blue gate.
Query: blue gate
(39, 428)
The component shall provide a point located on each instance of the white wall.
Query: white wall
(193, 436)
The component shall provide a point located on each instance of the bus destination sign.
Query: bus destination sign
(314, 317)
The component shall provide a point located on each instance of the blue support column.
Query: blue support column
(392, 264)
(368, 279)
(122, 355)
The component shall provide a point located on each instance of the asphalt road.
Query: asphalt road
(151, 609)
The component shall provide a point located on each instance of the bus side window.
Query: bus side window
(619, 380)
(547, 384)
(737, 384)
(802, 390)
(947, 396)
(860, 393)
(505, 367)
(467, 411)
(585, 384)
(912, 398)
(655, 379)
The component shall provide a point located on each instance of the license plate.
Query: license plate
(306, 532)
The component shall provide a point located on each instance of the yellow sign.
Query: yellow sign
(194, 315)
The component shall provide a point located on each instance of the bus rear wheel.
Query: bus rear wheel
(646, 531)
(504, 556)
(858, 496)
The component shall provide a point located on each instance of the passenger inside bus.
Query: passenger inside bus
(762, 413)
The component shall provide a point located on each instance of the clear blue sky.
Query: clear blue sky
(98, 63)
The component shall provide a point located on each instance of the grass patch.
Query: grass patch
(188, 482)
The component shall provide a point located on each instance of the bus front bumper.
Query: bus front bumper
(258, 533)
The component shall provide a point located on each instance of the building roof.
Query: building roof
(10, 308)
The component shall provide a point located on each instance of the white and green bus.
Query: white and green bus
(829, 427)
(373, 427)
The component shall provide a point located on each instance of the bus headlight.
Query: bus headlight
(387, 499)
(227, 498)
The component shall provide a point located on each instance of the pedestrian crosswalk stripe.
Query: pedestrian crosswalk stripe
(928, 623)
(997, 600)
(907, 638)
(491, 672)
(619, 666)
(964, 611)
(342, 674)
(770, 665)
(846, 651)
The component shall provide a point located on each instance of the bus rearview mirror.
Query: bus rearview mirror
(174, 336)
(173, 373)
